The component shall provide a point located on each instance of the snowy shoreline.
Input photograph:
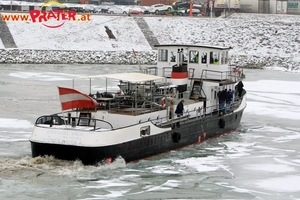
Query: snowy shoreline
(33, 56)
(258, 40)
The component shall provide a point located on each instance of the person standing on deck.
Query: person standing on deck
(179, 111)
(228, 100)
(222, 99)
(240, 88)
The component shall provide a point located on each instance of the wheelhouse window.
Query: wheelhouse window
(224, 57)
(214, 58)
(185, 55)
(163, 55)
(173, 56)
(194, 57)
(204, 58)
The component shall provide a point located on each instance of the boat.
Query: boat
(131, 115)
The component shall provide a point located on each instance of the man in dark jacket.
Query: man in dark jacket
(240, 89)
(179, 110)
(222, 100)
(229, 100)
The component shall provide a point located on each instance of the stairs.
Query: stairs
(149, 35)
(5, 35)
(196, 90)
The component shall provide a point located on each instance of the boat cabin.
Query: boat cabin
(196, 57)
(199, 71)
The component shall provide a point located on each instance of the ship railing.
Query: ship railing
(196, 113)
(208, 74)
(152, 70)
(224, 76)
(237, 72)
(64, 120)
(167, 72)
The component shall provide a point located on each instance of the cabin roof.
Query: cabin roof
(194, 46)
(129, 77)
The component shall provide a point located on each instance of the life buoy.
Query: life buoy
(222, 123)
(163, 101)
(176, 137)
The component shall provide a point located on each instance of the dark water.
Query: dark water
(259, 161)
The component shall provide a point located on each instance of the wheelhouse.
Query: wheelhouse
(196, 57)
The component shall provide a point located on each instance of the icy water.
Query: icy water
(259, 161)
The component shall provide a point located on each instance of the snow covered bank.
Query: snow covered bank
(33, 56)
(258, 40)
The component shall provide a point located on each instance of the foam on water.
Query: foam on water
(112, 183)
(202, 164)
(56, 167)
(164, 169)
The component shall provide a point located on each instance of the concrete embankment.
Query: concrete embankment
(5, 35)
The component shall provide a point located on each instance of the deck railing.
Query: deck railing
(63, 119)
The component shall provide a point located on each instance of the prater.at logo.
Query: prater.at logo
(55, 18)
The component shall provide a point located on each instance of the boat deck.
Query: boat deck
(119, 108)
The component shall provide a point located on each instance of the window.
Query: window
(163, 55)
(173, 56)
(224, 59)
(214, 57)
(204, 58)
(194, 57)
(185, 55)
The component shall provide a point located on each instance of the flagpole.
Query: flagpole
(63, 113)
(62, 110)
(137, 60)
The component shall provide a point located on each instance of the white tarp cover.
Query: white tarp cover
(130, 77)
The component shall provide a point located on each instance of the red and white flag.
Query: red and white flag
(71, 98)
